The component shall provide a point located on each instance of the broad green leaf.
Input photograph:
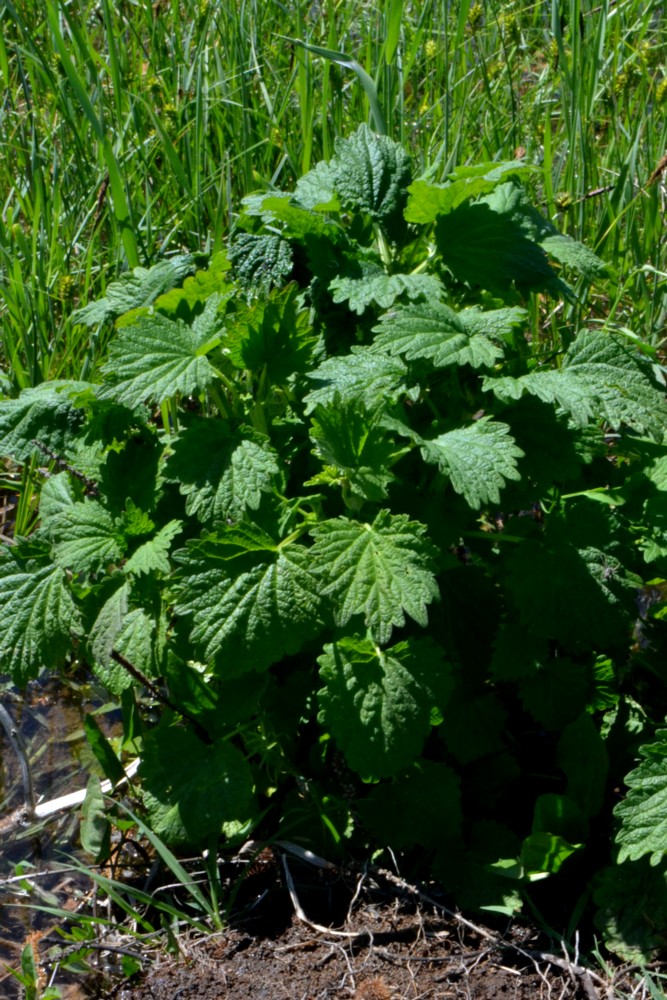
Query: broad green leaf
(477, 459)
(316, 190)
(599, 371)
(421, 808)
(377, 704)
(427, 201)
(382, 571)
(486, 249)
(621, 379)
(188, 301)
(497, 324)
(252, 601)
(353, 440)
(190, 788)
(157, 357)
(301, 223)
(222, 474)
(39, 617)
(152, 556)
(573, 254)
(138, 288)
(102, 750)
(643, 812)
(375, 286)
(272, 335)
(371, 174)
(473, 727)
(106, 630)
(86, 538)
(555, 693)
(95, 827)
(582, 756)
(260, 261)
(436, 333)
(45, 413)
(363, 375)
(632, 910)
(544, 853)
(561, 815)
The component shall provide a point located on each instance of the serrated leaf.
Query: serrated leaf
(382, 571)
(436, 333)
(632, 910)
(489, 250)
(375, 286)
(190, 788)
(497, 324)
(157, 358)
(86, 538)
(354, 441)
(570, 393)
(301, 223)
(643, 812)
(316, 189)
(222, 474)
(44, 413)
(363, 374)
(260, 260)
(252, 601)
(428, 200)
(573, 254)
(188, 301)
(152, 556)
(477, 459)
(371, 173)
(139, 288)
(621, 379)
(38, 617)
(272, 334)
(378, 703)
(106, 629)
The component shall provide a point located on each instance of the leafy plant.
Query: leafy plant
(376, 544)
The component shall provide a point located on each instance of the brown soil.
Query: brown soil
(398, 955)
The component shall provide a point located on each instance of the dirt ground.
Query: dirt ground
(389, 941)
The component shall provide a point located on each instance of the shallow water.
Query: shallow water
(49, 716)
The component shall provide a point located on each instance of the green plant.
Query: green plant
(388, 551)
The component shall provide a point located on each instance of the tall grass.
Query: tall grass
(131, 130)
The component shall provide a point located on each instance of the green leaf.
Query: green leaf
(352, 439)
(555, 694)
(38, 617)
(544, 853)
(381, 570)
(573, 254)
(372, 174)
(191, 789)
(378, 703)
(622, 381)
(421, 808)
(252, 601)
(188, 301)
(274, 335)
(104, 754)
(362, 375)
(477, 459)
(45, 413)
(316, 190)
(632, 910)
(489, 250)
(260, 261)
(375, 286)
(222, 474)
(582, 756)
(106, 630)
(427, 201)
(643, 812)
(86, 537)
(156, 358)
(95, 827)
(473, 727)
(437, 333)
(152, 556)
(138, 288)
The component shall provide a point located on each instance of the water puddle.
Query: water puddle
(36, 860)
